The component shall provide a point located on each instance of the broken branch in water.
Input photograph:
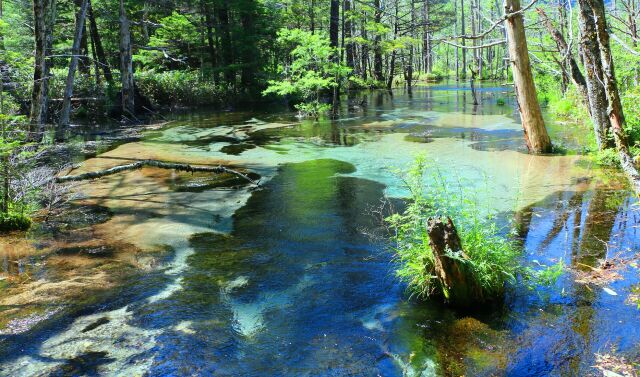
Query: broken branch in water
(156, 164)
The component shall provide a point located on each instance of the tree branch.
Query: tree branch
(156, 164)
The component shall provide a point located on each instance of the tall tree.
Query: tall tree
(535, 132)
(39, 96)
(616, 115)
(73, 64)
(334, 23)
(377, 43)
(126, 63)
(594, 76)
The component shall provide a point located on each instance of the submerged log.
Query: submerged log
(458, 283)
(155, 164)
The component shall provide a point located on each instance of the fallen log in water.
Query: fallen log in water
(156, 164)
(459, 286)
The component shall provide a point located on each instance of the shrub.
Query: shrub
(607, 157)
(493, 256)
(179, 88)
(14, 221)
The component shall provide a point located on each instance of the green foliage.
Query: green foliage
(179, 88)
(630, 101)
(311, 72)
(492, 257)
(434, 76)
(14, 221)
(607, 157)
(174, 42)
(500, 101)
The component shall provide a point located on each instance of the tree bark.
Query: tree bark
(38, 114)
(365, 48)
(590, 52)
(226, 47)
(535, 133)
(377, 44)
(126, 63)
(334, 23)
(459, 287)
(155, 164)
(97, 42)
(616, 115)
(348, 31)
(570, 63)
(73, 64)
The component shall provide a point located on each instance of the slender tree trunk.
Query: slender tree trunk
(616, 115)
(40, 80)
(334, 23)
(594, 76)
(392, 64)
(75, 51)
(426, 37)
(348, 31)
(409, 69)
(226, 47)
(211, 42)
(570, 63)
(536, 136)
(248, 52)
(97, 42)
(126, 63)
(455, 28)
(377, 48)
(312, 16)
(365, 48)
(463, 42)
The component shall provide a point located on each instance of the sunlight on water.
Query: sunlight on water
(281, 280)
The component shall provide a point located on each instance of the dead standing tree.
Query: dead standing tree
(535, 132)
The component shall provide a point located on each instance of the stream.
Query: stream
(173, 274)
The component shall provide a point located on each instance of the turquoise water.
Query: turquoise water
(293, 279)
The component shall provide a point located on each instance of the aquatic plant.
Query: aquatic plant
(489, 256)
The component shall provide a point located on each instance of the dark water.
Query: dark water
(298, 286)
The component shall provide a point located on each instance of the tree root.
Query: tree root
(156, 164)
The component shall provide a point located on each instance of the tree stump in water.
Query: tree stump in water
(458, 284)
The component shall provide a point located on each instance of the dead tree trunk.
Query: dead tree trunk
(535, 133)
(126, 63)
(73, 64)
(616, 115)
(590, 52)
(569, 62)
(155, 164)
(97, 42)
(459, 287)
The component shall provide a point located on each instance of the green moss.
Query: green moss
(14, 221)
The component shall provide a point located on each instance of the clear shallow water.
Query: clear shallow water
(284, 280)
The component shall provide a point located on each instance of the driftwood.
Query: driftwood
(458, 285)
(156, 164)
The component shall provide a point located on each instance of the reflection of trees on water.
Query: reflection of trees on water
(588, 224)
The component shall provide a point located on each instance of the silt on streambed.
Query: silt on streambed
(175, 274)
